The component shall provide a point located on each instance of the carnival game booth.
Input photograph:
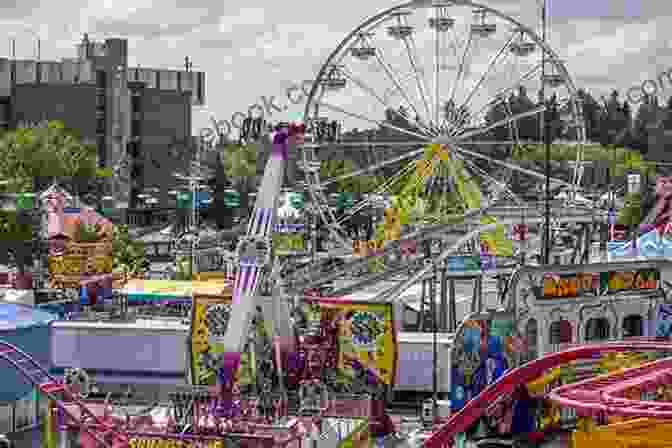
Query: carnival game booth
(158, 357)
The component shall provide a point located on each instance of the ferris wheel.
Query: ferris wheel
(438, 80)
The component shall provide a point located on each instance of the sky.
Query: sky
(253, 48)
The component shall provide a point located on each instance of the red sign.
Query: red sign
(520, 232)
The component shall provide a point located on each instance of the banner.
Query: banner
(209, 321)
(366, 334)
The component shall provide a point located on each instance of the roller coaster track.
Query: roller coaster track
(573, 395)
(606, 393)
(54, 390)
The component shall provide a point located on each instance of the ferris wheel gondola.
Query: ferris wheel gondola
(383, 59)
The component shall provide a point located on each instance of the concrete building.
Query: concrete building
(138, 118)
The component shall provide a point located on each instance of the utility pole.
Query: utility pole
(542, 134)
(548, 137)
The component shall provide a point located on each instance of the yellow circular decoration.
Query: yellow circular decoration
(423, 168)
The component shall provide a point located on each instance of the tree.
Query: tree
(592, 114)
(355, 184)
(128, 256)
(33, 157)
(240, 165)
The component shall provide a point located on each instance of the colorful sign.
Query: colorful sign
(147, 442)
(461, 263)
(663, 322)
(365, 333)
(596, 284)
(288, 243)
(483, 351)
(209, 322)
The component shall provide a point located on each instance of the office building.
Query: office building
(139, 118)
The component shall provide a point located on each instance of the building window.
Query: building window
(101, 79)
(135, 128)
(135, 103)
(560, 332)
(597, 329)
(633, 326)
(100, 125)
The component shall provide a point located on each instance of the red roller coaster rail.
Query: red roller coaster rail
(52, 388)
(508, 383)
(606, 393)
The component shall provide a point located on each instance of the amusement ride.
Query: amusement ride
(317, 359)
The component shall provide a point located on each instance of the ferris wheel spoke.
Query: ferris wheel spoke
(499, 142)
(369, 200)
(460, 70)
(437, 69)
(371, 120)
(362, 85)
(497, 96)
(375, 167)
(485, 74)
(511, 166)
(537, 110)
(380, 57)
(412, 52)
(372, 144)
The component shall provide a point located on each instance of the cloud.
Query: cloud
(17, 9)
(252, 48)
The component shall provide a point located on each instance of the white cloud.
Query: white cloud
(245, 16)
(253, 47)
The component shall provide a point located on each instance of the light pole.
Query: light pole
(543, 130)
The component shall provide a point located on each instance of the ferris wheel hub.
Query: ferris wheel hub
(445, 140)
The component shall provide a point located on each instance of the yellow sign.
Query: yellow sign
(365, 334)
(141, 442)
(204, 350)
